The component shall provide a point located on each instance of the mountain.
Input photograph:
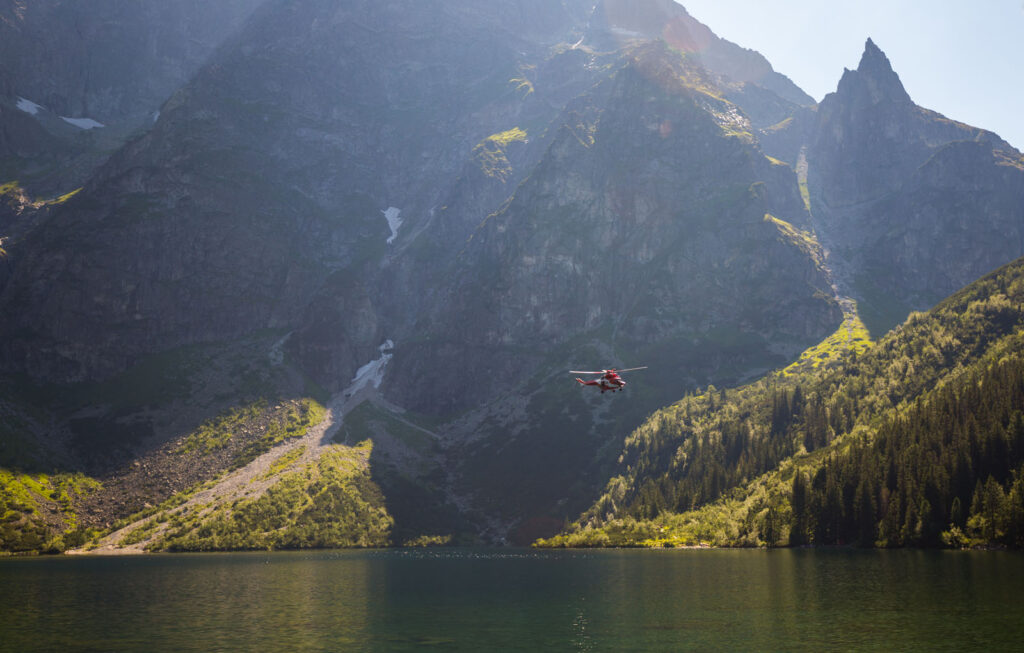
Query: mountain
(245, 163)
(914, 204)
(915, 440)
(349, 263)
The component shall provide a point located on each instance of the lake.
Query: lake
(516, 600)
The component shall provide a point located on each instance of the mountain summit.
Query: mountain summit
(874, 78)
(616, 23)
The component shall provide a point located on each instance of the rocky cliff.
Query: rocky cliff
(110, 61)
(914, 204)
(646, 217)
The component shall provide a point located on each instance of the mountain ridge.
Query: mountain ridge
(469, 209)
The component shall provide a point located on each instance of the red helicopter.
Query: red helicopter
(609, 379)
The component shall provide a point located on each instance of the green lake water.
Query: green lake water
(517, 600)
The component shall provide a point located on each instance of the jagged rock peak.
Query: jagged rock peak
(873, 57)
(875, 77)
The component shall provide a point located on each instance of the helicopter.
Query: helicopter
(609, 379)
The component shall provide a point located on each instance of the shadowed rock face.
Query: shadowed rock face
(919, 205)
(110, 60)
(79, 80)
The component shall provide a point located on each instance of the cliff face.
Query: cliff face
(915, 204)
(79, 80)
(114, 60)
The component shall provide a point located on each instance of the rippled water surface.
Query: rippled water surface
(502, 599)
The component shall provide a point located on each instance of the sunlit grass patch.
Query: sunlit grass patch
(805, 194)
(851, 336)
(24, 498)
(490, 153)
(63, 198)
(507, 136)
(284, 461)
(14, 189)
(805, 240)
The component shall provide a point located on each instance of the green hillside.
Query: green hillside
(917, 440)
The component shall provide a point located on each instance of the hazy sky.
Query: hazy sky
(962, 59)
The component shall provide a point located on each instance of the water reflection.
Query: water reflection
(494, 599)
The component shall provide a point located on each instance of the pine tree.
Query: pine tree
(798, 502)
(867, 526)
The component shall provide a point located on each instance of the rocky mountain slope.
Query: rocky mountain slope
(110, 61)
(440, 207)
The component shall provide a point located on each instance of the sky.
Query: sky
(964, 60)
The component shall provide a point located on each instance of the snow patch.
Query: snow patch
(372, 372)
(82, 123)
(156, 115)
(28, 106)
(394, 222)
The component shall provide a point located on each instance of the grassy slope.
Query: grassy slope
(378, 484)
(37, 511)
(326, 500)
(329, 503)
(58, 443)
(39, 503)
(719, 467)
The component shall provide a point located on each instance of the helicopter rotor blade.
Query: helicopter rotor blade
(611, 369)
